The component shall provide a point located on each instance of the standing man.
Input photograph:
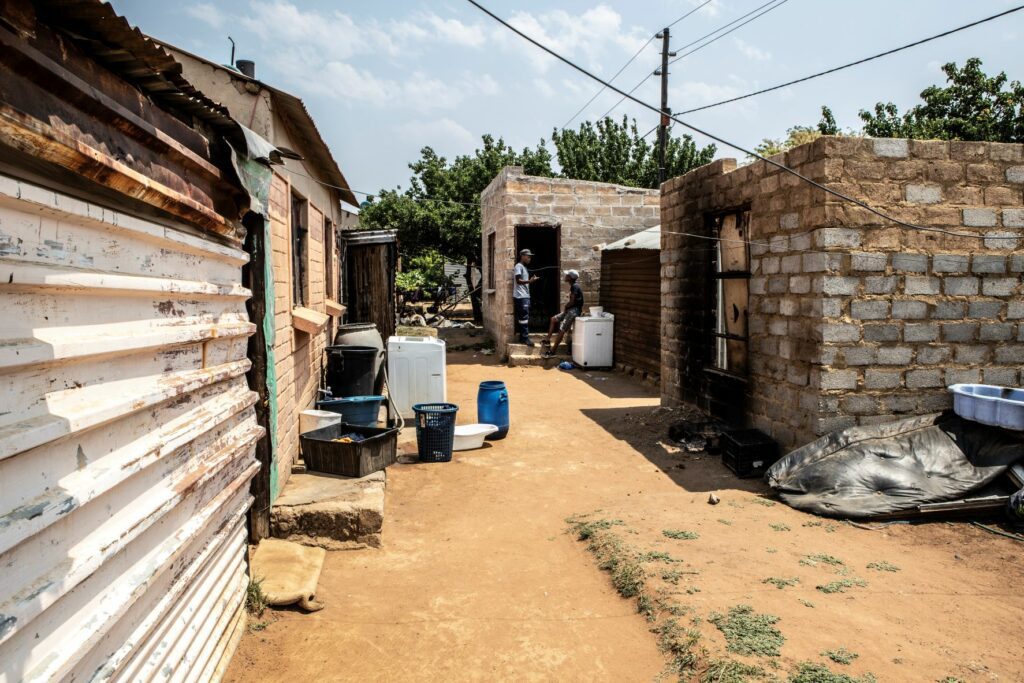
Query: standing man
(521, 296)
(563, 321)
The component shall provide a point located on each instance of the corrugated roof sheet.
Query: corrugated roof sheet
(645, 239)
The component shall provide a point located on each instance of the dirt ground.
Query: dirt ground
(479, 577)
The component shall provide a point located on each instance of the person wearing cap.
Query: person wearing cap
(563, 321)
(521, 296)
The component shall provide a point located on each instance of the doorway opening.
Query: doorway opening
(545, 242)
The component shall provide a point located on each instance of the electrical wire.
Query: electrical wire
(856, 63)
(704, 45)
(631, 60)
(701, 47)
(727, 143)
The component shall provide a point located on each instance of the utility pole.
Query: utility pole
(665, 111)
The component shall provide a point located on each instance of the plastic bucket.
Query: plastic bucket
(310, 420)
(350, 370)
(435, 430)
(364, 334)
(356, 410)
(492, 407)
(596, 311)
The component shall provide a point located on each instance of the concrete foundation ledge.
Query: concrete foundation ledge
(332, 512)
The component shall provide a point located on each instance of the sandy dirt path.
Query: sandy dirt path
(478, 579)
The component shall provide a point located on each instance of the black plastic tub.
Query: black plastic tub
(748, 452)
(323, 454)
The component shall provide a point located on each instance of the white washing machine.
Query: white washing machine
(592, 341)
(417, 372)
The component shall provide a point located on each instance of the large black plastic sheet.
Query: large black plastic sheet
(881, 469)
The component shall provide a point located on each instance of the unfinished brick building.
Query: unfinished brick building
(832, 316)
(561, 221)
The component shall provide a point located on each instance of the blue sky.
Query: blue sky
(385, 78)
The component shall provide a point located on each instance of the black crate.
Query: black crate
(322, 454)
(748, 452)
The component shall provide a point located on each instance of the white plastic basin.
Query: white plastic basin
(596, 311)
(990, 405)
(468, 437)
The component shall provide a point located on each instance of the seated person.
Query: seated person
(563, 321)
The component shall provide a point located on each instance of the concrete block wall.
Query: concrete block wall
(853, 319)
(588, 213)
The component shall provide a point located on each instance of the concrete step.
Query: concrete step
(520, 355)
(329, 511)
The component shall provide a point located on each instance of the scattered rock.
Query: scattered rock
(713, 499)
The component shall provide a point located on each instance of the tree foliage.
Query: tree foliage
(614, 152)
(799, 135)
(974, 106)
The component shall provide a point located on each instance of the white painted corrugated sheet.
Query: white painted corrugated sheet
(127, 439)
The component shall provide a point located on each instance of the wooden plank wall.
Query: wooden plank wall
(371, 286)
(631, 290)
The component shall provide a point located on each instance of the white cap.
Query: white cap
(574, 274)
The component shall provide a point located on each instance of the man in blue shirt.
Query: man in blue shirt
(521, 296)
(563, 321)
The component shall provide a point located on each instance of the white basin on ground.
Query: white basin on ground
(468, 437)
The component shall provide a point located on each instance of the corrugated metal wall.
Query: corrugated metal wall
(371, 283)
(126, 444)
(631, 290)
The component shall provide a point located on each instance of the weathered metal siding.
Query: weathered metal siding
(631, 289)
(126, 444)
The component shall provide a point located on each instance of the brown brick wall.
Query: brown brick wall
(589, 214)
(853, 320)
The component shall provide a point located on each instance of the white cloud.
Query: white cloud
(455, 32)
(711, 9)
(595, 36)
(752, 51)
(543, 87)
(443, 134)
(206, 13)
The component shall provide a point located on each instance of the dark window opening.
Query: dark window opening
(329, 291)
(547, 294)
(299, 236)
(491, 280)
(731, 289)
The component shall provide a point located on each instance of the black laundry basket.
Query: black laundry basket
(435, 430)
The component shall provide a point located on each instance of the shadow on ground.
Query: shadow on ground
(610, 383)
(645, 429)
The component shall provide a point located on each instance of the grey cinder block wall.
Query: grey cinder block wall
(852, 318)
(586, 214)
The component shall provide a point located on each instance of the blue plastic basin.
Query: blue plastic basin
(357, 410)
(991, 405)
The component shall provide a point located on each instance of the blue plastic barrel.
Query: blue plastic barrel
(354, 410)
(492, 407)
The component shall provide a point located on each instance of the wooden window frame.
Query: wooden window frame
(717, 291)
(492, 247)
(298, 221)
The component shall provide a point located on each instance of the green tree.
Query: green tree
(974, 106)
(612, 152)
(799, 135)
(440, 211)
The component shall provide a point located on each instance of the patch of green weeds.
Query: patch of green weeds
(731, 671)
(749, 633)
(779, 526)
(840, 655)
(831, 528)
(645, 606)
(692, 590)
(672, 607)
(765, 502)
(814, 559)
(816, 522)
(628, 578)
(841, 585)
(725, 522)
(811, 672)
(255, 598)
(781, 582)
(672, 576)
(806, 603)
(258, 626)
(586, 528)
(883, 566)
(680, 534)
(949, 679)
(657, 556)
(680, 645)
(771, 551)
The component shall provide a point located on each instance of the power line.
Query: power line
(716, 138)
(704, 45)
(631, 60)
(701, 47)
(858, 62)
